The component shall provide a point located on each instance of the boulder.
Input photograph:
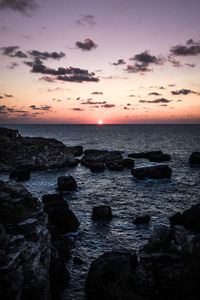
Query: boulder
(20, 173)
(155, 172)
(51, 206)
(194, 158)
(96, 167)
(76, 150)
(128, 163)
(144, 154)
(72, 162)
(100, 156)
(63, 219)
(110, 277)
(142, 220)
(67, 183)
(159, 157)
(116, 165)
(52, 198)
(102, 212)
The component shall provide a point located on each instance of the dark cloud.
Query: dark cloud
(57, 100)
(5, 110)
(146, 58)
(1, 97)
(41, 107)
(87, 45)
(23, 6)
(171, 85)
(47, 79)
(132, 96)
(96, 93)
(8, 96)
(90, 102)
(12, 66)
(183, 92)
(161, 100)
(154, 94)
(86, 20)
(191, 48)
(78, 78)
(174, 62)
(126, 108)
(108, 105)
(138, 68)
(45, 55)
(119, 62)
(77, 109)
(190, 65)
(12, 51)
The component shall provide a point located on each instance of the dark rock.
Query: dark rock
(72, 162)
(155, 172)
(96, 167)
(76, 150)
(116, 165)
(78, 261)
(52, 198)
(64, 220)
(99, 156)
(10, 133)
(142, 220)
(20, 173)
(67, 183)
(110, 277)
(102, 212)
(128, 163)
(176, 219)
(195, 158)
(51, 206)
(159, 157)
(61, 243)
(144, 154)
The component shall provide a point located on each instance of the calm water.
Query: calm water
(127, 197)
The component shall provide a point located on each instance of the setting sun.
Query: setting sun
(100, 122)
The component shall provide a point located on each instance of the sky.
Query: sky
(82, 61)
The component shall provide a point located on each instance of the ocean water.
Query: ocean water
(127, 196)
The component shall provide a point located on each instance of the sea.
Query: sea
(127, 196)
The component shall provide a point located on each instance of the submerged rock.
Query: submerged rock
(194, 158)
(142, 220)
(67, 183)
(155, 172)
(102, 212)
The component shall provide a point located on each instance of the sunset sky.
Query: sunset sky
(81, 61)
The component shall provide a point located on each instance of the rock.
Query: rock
(96, 167)
(10, 133)
(144, 154)
(116, 165)
(67, 183)
(194, 158)
(190, 218)
(155, 172)
(111, 277)
(102, 212)
(142, 220)
(51, 206)
(76, 150)
(63, 219)
(78, 261)
(52, 198)
(20, 173)
(99, 156)
(72, 162)
(128, 163)
(159, 157)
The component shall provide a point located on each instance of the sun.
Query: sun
(100, 122)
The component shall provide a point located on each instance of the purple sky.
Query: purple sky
(83, 61)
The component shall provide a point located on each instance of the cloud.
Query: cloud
(174, 62)
(190, 65)
(171, 85)
(138, 68)
(8, 96)
(90, 102)
(183, 92)
(23, 6)
(42, 107)
(87, 45)
(1, 97)
(108, 105)
(86, 20)
(96, 93)
(6, 110)
(146, 58)
(161, 100)
(132, 96)
(78, 78)
(119, 62)
(12, 66)
(77, 109)
(47, 79)
(191, 48)
(154, 94)
(45, 55)
(12, 51)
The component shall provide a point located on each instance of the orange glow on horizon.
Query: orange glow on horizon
(100, 122)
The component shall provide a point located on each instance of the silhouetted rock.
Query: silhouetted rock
(159, 157)
(144, 154)
(99, 156)
(67, 183)
(102, 212)
(20, 173)
(51, 206)
(76, 150)
(128, 163)
(63, 219)
(10, 133)
(142, 220)
(116, 165)
(78, 261)
(190, 218)
(195, 158)
(51, 197)
(96, 167)
(155, 172)
(111, 277)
